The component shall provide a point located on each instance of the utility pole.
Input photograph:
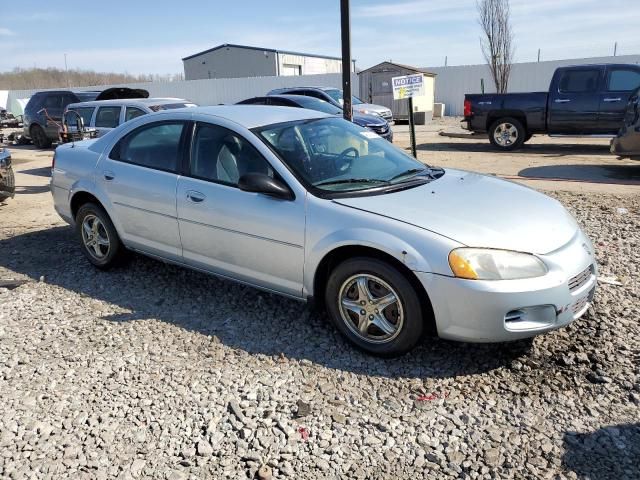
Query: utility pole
(446, 60)
(345, 23)
(615, 49)
(66, 69)
(538, 55)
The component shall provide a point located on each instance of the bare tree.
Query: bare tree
(494, 17)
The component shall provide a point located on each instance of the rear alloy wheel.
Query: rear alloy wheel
(98, 237)
(39, 137)
(507, 134)
(374, 306)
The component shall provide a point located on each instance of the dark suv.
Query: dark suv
(44, 111)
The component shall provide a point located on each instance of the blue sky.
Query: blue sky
(152, 37)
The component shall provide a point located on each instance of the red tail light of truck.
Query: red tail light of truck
(467, 108)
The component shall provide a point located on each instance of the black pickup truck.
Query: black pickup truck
(585, 100)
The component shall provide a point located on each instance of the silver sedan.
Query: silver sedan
(318, 209)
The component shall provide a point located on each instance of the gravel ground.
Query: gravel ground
(152, 371)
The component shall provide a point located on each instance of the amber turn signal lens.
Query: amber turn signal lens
(461, 268)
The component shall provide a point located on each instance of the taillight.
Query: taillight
(467, 108)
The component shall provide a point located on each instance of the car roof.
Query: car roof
(129, 101)
(252, 116)
(56, 92)
(305, 88)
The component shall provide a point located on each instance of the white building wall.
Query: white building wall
(214, 91)
(452, 83)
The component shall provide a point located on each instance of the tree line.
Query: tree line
(35, 78)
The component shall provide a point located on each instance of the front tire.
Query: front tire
(507, 134)
(375, 306)
(98, 237)
(39, 137)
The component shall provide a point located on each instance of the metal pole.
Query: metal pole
(345, 22)
(412, 129)
(446, 60)
(538, 55)
(615, 49)
(66, 69)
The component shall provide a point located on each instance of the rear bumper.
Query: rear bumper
(498, 311)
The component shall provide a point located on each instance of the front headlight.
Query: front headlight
(488, 264)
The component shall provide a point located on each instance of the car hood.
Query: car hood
(365, 120)
(370, 107)
(478, 211)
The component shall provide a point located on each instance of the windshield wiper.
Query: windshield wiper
(413, 172)
(351, 180)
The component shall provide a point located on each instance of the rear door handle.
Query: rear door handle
(195, 197)
(108, 175)
(612, 99)
(562, 100)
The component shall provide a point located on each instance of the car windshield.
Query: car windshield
(338, 97)
(319, 105)
(334, 155)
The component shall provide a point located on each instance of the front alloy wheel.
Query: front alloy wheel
(371, 308)
(375, 306)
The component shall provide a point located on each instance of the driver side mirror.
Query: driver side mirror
(261, 183)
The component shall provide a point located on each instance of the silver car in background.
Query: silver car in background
(313, 207)
(105, 115)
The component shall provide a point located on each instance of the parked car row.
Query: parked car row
(66, 115)
(374, 123)
(584, 100)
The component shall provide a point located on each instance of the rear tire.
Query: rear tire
(98, 237)
(507, 134)
(39, 137)
(374, 306)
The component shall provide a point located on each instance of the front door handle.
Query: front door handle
(562, 100)
(612, 99)
(195, 197)
(108, 175)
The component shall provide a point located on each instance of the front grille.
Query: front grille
(380, 129)
(387, 115)
(580, 279)
(580, 304)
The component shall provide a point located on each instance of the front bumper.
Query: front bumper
(497, 311)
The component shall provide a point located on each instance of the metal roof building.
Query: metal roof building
(240, 61)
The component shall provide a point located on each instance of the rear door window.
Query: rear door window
(108, 117)
(133, 112)
(156, 145)
(579, 81)
(623, 80)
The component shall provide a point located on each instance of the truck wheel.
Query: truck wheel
(374, 306)
(39, 137)
(507, 134)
